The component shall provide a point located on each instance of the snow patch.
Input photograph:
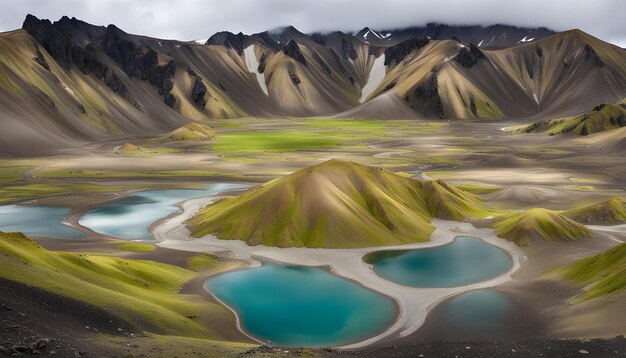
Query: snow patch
(536, 98)
(376, 76)
(526, 39)
(379, 35)
(202, 42)
(480, 43)
(253, 67)
(177, 45)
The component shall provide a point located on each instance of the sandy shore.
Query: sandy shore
(413, 303)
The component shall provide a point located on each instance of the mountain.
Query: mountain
(336, 204)
(612, 211)
(538, 225)
(68, 82)
(563, 74)
(601, 118)
(601, 274)
(483, 36)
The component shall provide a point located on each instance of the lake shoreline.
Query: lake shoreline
(414, 303)
(538, 261)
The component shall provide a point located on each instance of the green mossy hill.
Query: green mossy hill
(336, 204)
(601, 118)
(129, 148)
(143, 293)
(192, 132)
(612, 211)
(601, 274)
(538, 225)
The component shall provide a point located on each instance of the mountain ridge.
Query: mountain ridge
(84, 82)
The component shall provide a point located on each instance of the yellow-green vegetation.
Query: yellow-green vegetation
(287, 135)
(12, 170)
(538, 225)
(601, 274)
(371, 125)
(201, 261)
(271, 141)
(612, 211)
(337, 204)
(192, 132)
(136, 247)
(601, 118)
(144, 293)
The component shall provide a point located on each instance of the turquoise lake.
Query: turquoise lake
(294, 306)
(37, 221)
(130, 217)
(464, 261)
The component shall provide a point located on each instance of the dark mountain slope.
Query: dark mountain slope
(563, 74)
(490, 36)
(68, 82)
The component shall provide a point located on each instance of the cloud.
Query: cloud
(195, 19)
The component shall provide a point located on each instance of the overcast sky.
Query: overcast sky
(198, 19)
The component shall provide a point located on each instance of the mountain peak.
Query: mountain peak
(538, 225)
(336, 204)
(611, 211)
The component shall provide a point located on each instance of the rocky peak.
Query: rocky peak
(229, 40)
(349, 52)
(55, 41)
(469, 57)
(319, 38)
(293, 50)
(265, 39)
(395, 54)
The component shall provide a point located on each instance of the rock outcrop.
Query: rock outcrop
(469, 57)
(293, 50)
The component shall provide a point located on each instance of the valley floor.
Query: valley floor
(478, 156)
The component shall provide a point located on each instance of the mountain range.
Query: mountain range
(67, 82)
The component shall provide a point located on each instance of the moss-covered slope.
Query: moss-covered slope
(601, 118)
(601, 274)
(144, 293)
(192, 132)
(129, 149)
(612, 211)
(538, 225)
(336, 204)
